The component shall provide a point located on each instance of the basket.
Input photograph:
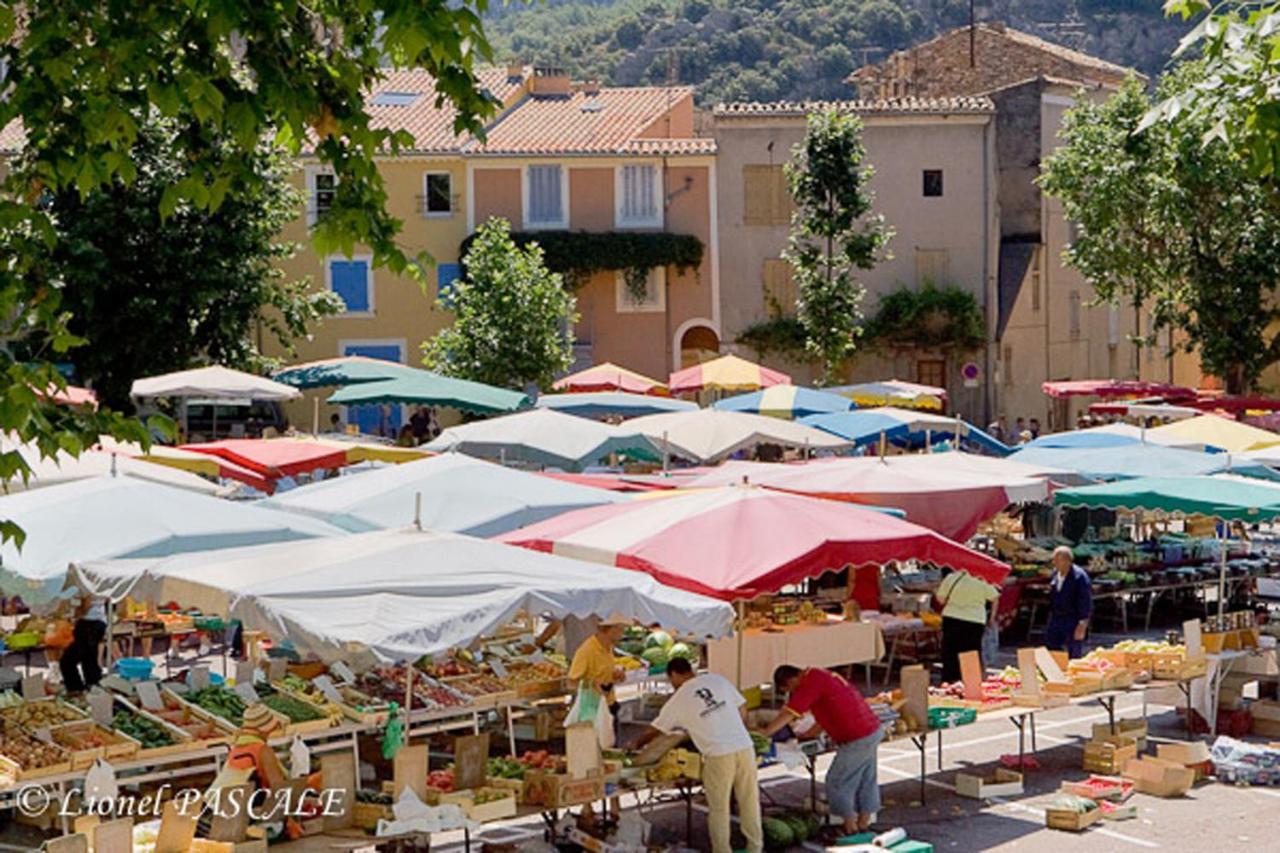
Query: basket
(134, 669)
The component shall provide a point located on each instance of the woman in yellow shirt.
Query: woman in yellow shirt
(964, 601)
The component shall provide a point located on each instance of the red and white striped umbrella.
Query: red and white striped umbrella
(742, 541)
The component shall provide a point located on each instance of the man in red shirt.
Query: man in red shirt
(853, 791)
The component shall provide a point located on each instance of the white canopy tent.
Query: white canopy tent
(397, 594)
(65, 468)
(109, 517)
(451, 492)
(215, 382)
(543, 437)
(711, 435)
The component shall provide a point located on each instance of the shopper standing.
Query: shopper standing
(965, 602)
(1070, 605)
(79, 661)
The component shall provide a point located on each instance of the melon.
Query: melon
(660, 639)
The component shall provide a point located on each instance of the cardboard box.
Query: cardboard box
(1070, 820)
(1159, 778)
(1136, 729)
(1184, 753)
(557, 790)
(1109, 755)
(1004, 783)
(1261, 663)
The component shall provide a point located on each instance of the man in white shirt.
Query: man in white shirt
(710, 710)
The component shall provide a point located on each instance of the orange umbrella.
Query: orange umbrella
(610, 377)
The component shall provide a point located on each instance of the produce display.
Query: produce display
(147, 732)
(788, 830)
(219, 701)
(182, 717)
(524, 674)
(477, 685)
(28, 752)
(39, 714)
(295, 709)
(441, 780)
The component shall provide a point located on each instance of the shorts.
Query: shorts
(852, 786)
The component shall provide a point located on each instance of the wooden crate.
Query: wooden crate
(11, 769)
(182, 739)
(195, 712)
(116, 745)
(557, 790)
(1109, 755)
(366, 815)
(1071, 821)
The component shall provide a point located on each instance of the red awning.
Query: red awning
(1116, 388)
(266, 461)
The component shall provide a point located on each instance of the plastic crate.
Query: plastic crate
(949, 718)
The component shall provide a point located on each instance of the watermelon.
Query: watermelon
(656, 656)
(799, 827)
(682, 650)
(660, 639)
(777, 834)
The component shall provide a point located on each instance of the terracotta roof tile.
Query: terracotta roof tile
(891, 106)
(659, 147)
(430, 125)
(609, 121)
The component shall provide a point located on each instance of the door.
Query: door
(376, 420)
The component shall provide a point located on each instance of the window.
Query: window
(636, 189)
(447, 276)
(1074, 314)
(766, 199)
(544, 197)
(655, 293)
(931, 266)
(780, 291)
(932, 183)
(352, 279)
(1007, 366)
(437, 194)
(322, 186)
(932, 371)
(1035, 284)
(395, 99)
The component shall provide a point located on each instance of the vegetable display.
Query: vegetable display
(28, 752)
(220, 701)
(295, 709)
(36, 715)
(147, 732)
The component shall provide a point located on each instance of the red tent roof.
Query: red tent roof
(1116, 388)
(260, 462)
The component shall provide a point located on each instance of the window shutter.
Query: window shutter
(780, 291)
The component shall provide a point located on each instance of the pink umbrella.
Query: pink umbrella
(740, 541)
(260, 462)
(939, 493)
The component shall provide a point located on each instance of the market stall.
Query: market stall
(613, 404)
(708, 436)
(609, 377)
(546, 438)
(789, 402)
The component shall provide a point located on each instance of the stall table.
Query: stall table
(821, 645)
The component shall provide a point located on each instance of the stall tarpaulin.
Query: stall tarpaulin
(214, 382)
(431, 389)
(894, 392)
(1216, 431)
(1141, 460)
(726, 373)
(451, 492)
(1111, 435)
(739, 542)
(786, 401)
(945, 496)
(397, 594)
(62, 468)
(342, 371)
(545, 438)
(710, 435)
(109, 517)
(609, 377)
(605, 404)
(270, 459)
(1113, 388)
(1230, 498)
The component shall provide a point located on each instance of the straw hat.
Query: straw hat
(260, 719)
(613, 622)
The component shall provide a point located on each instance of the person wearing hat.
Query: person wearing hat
(251, 758)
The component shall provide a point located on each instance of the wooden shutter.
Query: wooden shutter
(780, 291)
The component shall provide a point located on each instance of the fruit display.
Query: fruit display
(39, 714)
(627, 662)
(441, 780)
(29, 753)
(9, 699)
(438, 696)
(525, 674)
(447, 668)
(182, 717)
(219, 701)
(478, 685)
(505, 768)
(295, 710)
(491, 795)
(789, 830)
(387, 684)
(147, 732)
(87, 741)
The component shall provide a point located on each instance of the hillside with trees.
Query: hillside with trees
(735, 50)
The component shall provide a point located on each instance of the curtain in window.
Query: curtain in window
(545, 204)
(637, 193)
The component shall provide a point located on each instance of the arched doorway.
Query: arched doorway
(698, 344)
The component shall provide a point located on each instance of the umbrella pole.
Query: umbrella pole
(928, 437)
(111, 620)
(882, 445)
(1222, 569)
(666, 450)
(417, 510)
(408, 697)
(315, 416)
(740, 627)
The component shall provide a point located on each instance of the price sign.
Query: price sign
(245, 672)
(537, 657)
(498, 667)
(325, 685)
(198, 677)
(344, 673)
(244, 689)
(100, 706)
(43, 734)
(276, 669)
(149, 695)
(33, 687)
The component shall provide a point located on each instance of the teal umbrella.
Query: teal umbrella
(347, 370)
(431, 389)
(1220, 497)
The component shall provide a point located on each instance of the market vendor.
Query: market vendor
(711, 711)
(1070, 605)
(853, 790)
(250, 757)
(965, 601)
(79, 662)
(593, 663)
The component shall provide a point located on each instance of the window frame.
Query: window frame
(427, 212)
(526, 198)
(369, 282)
(924, 183)
(623, 305)
(619, 197)
(313, 209)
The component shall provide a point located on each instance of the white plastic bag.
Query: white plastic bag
(299, 759)
(100, 783)
(604, 726)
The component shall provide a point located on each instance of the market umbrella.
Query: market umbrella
(451, 492)
(431, 389)
(345, 370)
(1141, 460)
(65, 468)
(786, 401)
(1114, 388)
(268, 460)
(544, 438)
(609, 377)
(710, 435)
(739, 542)
(894, 392)
(602, 404)
(394, 595)
(1215, 431)
(903, 427)
(951, 498)
(1111, 435)
(362, 448)
(126, 517)
(214, 382)
(726, 373)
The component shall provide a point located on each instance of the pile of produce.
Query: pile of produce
(37, 715)
(441, 780)
(789, 830)
(28, 752)
(446, 668)
(182, 717)
(387, 684)
(521, 674)
(633, 640)
(480, 684)
(490, 795)
(147, 732)
(660, 648)
(1072, 803)
(219, 701)
(439, 696)
(295, 709)
(504, 768)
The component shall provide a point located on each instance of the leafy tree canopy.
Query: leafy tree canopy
(514, 317)
(1169, 222)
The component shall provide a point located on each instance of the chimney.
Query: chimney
(515, 72)
(550, 80)
(590, 88)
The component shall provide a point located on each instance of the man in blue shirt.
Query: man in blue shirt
(1070, 605)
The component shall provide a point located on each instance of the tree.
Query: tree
(157, 293)
(82, 78)
(833, 233)
(514, 317)
(1239, 44)
(1171, 223)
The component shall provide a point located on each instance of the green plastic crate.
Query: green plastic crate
(949, 718)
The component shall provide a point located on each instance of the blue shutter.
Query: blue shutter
(350, 280)
(446, 276)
